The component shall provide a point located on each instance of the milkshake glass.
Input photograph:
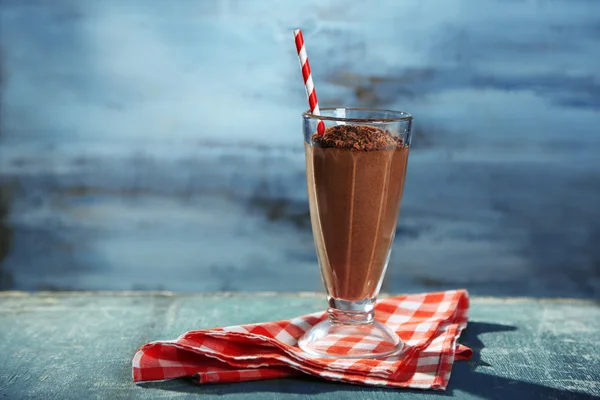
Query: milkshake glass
(355, 174)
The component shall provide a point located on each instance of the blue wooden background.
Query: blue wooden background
(156, 144)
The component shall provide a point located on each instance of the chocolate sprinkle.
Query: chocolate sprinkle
(357, 138)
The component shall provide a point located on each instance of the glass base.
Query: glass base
(338, 340)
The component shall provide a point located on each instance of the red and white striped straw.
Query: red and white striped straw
(311, 93)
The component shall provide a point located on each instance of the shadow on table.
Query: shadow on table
(465, 378)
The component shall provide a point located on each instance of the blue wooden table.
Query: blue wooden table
(79, 345)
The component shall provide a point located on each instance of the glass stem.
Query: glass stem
(347, 312)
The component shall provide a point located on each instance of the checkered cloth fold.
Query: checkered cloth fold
(429, 324)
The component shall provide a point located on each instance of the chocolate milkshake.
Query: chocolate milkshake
(355, 178)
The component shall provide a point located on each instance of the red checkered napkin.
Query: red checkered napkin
(429, 324)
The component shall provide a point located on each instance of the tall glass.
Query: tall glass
(355, 174)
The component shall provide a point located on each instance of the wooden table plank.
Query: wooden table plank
(80, 345)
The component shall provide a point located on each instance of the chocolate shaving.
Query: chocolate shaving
(357, 138)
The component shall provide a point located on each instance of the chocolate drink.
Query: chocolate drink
(355, 178)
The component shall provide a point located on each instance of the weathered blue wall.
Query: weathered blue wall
(156, 144)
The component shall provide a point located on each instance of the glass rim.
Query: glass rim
(402, 116)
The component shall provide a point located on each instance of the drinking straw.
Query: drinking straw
(311, 93)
